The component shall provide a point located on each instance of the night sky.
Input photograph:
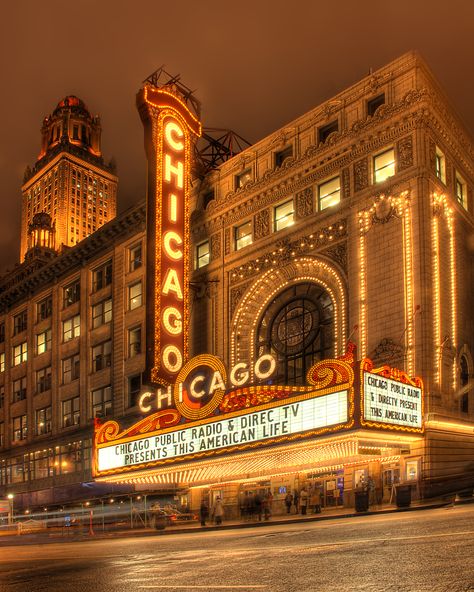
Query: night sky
(255, 65)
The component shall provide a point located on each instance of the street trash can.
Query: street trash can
(361, 501)
(403, 496)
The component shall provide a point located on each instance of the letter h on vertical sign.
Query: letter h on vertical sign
(170, 129)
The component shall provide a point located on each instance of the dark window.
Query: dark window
(297, 328)
(71, 412)
(282, 155)
(20, 322)
(464, 383)
(134, 386)
(326, 130)
(71, 293)
(2, 332)
(102, 276)
(19, 389)
(102, 402)
(134, 341)
(101, 356)
(75, 132)
(71, 368)
(374, 104)
(43, 379)
(44, 308)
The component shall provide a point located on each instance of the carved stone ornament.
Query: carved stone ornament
(432, 153)
(235, 296)
(261, 224)
(449, 174)
(338, 253)
(384, 211)
(215, 246)
(361, 174)
(304, 203)
(387, 349)
(405, 153)
(346, 183)
(227, 241)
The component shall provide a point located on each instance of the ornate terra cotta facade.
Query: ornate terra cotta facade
(352, 225)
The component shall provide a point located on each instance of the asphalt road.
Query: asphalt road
(423, 551)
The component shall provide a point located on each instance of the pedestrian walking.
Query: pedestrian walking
(303, 501)
(288, 502)
(218, 511)
(203, 512)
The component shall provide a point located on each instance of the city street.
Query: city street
(421, 551)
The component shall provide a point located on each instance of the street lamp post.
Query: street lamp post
(10, 497)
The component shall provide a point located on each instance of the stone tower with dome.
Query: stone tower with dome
(70, 180)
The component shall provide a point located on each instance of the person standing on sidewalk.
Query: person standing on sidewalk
(296, 501)
(288, 502)
(218, 511)
(203, 512)
(303, 501)
(316, 499)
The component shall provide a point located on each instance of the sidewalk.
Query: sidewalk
(195, 527)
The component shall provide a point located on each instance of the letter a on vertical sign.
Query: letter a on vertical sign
(170, 128)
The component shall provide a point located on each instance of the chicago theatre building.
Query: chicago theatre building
(298, 316)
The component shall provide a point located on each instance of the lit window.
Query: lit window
(243, 235)
(20, 428)
(71, 328)
(101, 356)
(71, 368)
(20, 353)
(2, 362)
(19, 389)
(43, 341)
(135, 296)
(284, 215)
(282, 155)
(102, 402)
(440, 165)
(70, 412)
(461, 190)
(384, 165)
(43, 421)
(71, 293)
(243, 178)
(102, 276)
(329, 193)
(134, 341)
(102, 313)
(374, 104)
(325, 131)
(202, 255)
(135, 257)
(43, 379)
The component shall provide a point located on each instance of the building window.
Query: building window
(20, 353)
(326, 130)
(102, 402)
(202, 255)
(71, 293)
(135, 257)
(102, 356)
(282, 155)
(71, 328)
(20, 322)
(102, 313)
(43, 464)
(102, 276)
(384, 165)
(44, 308)
(2, 332)
(2, 396)
(70, 412)
(464, 384)
(374, 104)
(71, 368)
(43, 421)
(134, 387)
(43, 379)
(243, 235)
(461, 190)
(19, 389)
(243, 178)
(440, 165)
(20, 428)
(43, 341)
(297, 328)
(134, 341)
(2, 362)
(135, 299)
(329, 193)
(284, 215)
(2, 434)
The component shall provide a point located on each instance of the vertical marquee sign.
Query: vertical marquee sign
(169, 129)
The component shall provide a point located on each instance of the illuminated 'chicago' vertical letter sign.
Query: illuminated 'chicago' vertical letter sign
(169, 126)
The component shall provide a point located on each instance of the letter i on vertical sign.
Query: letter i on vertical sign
(170, 129)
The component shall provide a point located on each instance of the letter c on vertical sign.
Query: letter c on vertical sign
(173, 129)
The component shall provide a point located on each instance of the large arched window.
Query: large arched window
(297, 327)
